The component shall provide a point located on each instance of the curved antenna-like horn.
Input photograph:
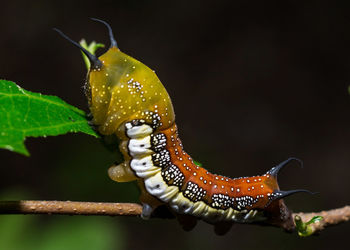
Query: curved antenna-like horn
(94, 61)
(281, 194)
(274, 171)
(110, 32)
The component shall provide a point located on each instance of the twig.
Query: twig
(331, 217)
(70, 208)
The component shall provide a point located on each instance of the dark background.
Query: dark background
(252, 84)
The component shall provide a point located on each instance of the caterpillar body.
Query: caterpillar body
(127, 99)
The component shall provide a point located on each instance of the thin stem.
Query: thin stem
(70, 208)
(330, 218)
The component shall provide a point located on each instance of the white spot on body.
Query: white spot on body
(140, 147)
(144, 167)
(136, 132)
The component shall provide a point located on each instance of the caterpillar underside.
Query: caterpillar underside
(169, 174)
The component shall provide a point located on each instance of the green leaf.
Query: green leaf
(304, 229)
(92, 47)
(27, 114)
(315, 219)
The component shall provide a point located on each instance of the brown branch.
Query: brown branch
(70, 208)
(331, 217)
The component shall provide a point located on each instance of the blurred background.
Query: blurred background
(252, 84)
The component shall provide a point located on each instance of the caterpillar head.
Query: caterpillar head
(121, 89)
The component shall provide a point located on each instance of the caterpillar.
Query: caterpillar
(127, 99)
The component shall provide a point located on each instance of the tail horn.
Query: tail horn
(274, 171)
(279, 194)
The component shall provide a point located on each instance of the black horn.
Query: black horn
(274, 171)
(110, 32)
(94, 61)
(281, 194)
